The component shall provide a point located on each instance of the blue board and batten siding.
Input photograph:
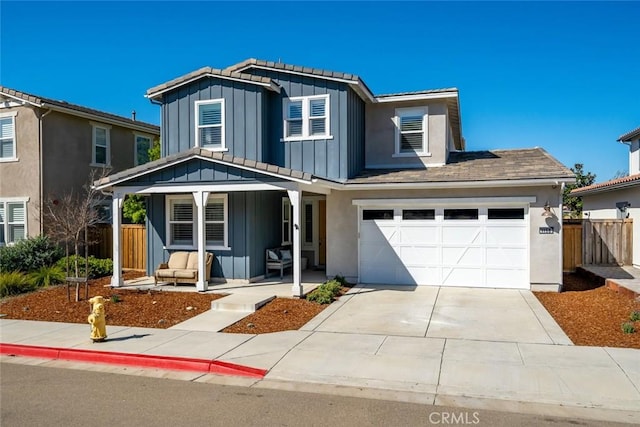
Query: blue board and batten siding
(338, 158)
(254, 225)
(243, 110)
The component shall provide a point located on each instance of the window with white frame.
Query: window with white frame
(142, 146)
(411, 131)
(8, 136)
(101, 145)
(13, 221)
(210, 124)
(306, 117)
(286, 221)
(182, 221)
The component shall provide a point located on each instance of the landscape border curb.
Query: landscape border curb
(207, 366)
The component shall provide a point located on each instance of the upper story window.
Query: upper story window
(411, 132)
(210, 124)
(142, 146)
(306, 117)
(101, 145)
(13, 220)
(8, 137)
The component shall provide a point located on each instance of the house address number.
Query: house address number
(545, 230)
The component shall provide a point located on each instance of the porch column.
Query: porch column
(295, 199)
(116, 229)
(200, 198)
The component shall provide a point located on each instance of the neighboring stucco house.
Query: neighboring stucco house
(618, 198)
(49, 147)
(377, 188)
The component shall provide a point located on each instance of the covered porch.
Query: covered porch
(203, 202)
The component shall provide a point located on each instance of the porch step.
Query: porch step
(246, 303)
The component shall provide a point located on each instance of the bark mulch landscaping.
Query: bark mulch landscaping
(152, 309)
(591, 314)
(148, 309)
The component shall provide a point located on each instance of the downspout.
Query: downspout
(41, 170)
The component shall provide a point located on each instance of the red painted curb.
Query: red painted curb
(129, 359)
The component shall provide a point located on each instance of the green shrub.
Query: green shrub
(342, 280)
(14, 283)
(47, 276)
(29, 255)
(325, 293)
(321, 296)
(635, 316)
(628, 328)
(98, 267)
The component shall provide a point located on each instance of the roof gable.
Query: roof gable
(630, 136)
(204, 72)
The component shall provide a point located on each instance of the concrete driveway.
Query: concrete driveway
(428, 311)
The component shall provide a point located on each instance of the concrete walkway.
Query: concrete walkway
(626, 277)
(445, 367)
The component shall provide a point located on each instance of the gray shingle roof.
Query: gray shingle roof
(46, 102)
(213, 72)
(419, 92)
(200, 152)
(630, 136)
(495, 165)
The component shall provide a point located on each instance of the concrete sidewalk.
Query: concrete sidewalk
(582, 382)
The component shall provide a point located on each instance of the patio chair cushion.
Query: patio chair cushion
(273, 255)
(286, 254)
(178, 260)
(166, 272)
(192, 263)
(187, 273)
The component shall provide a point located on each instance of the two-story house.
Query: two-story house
(618, 198)
(377, 188)
(48, 148)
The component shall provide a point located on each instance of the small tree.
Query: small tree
(574, 203)
(134, 207)
(69, 218)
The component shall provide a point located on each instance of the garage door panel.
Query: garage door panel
(506, 235)
(506, 256)
(464, 234)
(467, 256)
(412, 255)
(419, 275)
(378, 233)
(416, 234)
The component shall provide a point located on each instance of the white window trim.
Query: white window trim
(107, 129)
(223, 143)
(425, 131)
(306, 102)
(225, 200)
(13, 158)
(135, 145)
(5, 225)
(286, 207)
(194, 246)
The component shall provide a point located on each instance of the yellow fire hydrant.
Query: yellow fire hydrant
(97, 319)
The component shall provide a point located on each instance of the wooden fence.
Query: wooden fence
(597, 241)
(134, 245)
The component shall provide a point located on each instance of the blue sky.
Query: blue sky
(563, 76)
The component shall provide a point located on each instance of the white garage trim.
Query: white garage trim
(486, 252)
(449, 201)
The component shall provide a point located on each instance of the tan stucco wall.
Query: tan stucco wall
(342, 227)
(603, 206)
(68, 151)
(21, 178)
(380, 135)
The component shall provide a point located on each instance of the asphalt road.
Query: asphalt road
(38, 396)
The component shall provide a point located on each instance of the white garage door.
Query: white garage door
(481, 247)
